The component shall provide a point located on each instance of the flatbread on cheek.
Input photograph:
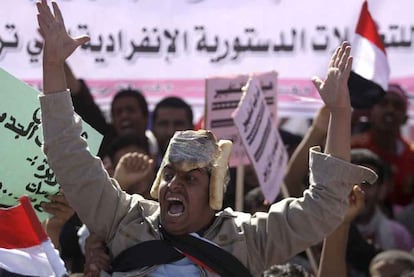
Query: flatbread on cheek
(218, 174)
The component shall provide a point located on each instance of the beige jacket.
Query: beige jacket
(258, 241)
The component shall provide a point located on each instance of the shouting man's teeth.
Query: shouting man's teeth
(175, 207)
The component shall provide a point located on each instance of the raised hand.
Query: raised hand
(135, 172)
(96, 256)
(59, 208)
(61, 212)
(58, 44)
(334, 90)
(356, 204)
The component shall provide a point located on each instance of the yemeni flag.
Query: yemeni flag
(25, 248)
(370, 70)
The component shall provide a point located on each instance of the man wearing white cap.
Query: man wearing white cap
(187, 233)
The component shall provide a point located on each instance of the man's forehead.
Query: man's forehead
(396, 93)
(169, 109)
(125, 100)
(172, 115)
(186, 167)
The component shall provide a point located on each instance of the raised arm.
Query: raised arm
(57, 75)
(334, 92)
(58, 46)
(96, 198)
(294, 224)
(333, 259)
(298, 166)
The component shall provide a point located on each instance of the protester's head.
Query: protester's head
(129, 112)
(254, 201)
(132, 146)
(191, 180)
(392, 263)
(290, 140)
(171, 114)
(397, 90)
(390, 113)
(372, 192)
(127, 143)
(286, 270)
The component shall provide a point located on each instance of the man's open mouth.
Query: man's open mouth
(175, 207)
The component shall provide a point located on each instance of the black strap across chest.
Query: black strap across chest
(173, 248)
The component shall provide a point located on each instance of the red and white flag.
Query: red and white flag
(370, 68)
(25, 248)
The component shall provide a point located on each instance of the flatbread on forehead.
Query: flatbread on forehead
(192, 147)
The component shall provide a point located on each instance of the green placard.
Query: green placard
(24, 168)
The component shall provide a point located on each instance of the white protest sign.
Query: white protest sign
(261, 139)
(223, 94)
(169, 47)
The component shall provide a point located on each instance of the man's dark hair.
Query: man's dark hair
(142, 102)
(254, 198)
(405, 259)
(362, 156)
(175, 103)
(123, 141)
(286, 270)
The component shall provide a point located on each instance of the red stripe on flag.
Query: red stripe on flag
(33, 219)
(366, 27)
(198, 262)
(16, 228)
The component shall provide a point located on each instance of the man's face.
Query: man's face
(128, 117)
(389, 114)
(184, 200)
(371, 192)
(166, 122)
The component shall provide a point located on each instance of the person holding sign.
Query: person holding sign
(187, 233)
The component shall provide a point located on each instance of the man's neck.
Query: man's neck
(387, 141)
(202, 231)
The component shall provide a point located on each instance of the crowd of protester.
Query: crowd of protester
(352, 209)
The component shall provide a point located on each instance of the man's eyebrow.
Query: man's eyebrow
(198, 169)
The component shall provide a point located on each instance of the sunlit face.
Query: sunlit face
(371, 192)
(184, 200)
(166, 122)
(389, 113)
(128, 117)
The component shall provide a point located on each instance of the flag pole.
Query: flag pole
(239, 188)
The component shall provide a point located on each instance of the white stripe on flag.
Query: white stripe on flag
(370, 61)
(26, 261)
(55, 261)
